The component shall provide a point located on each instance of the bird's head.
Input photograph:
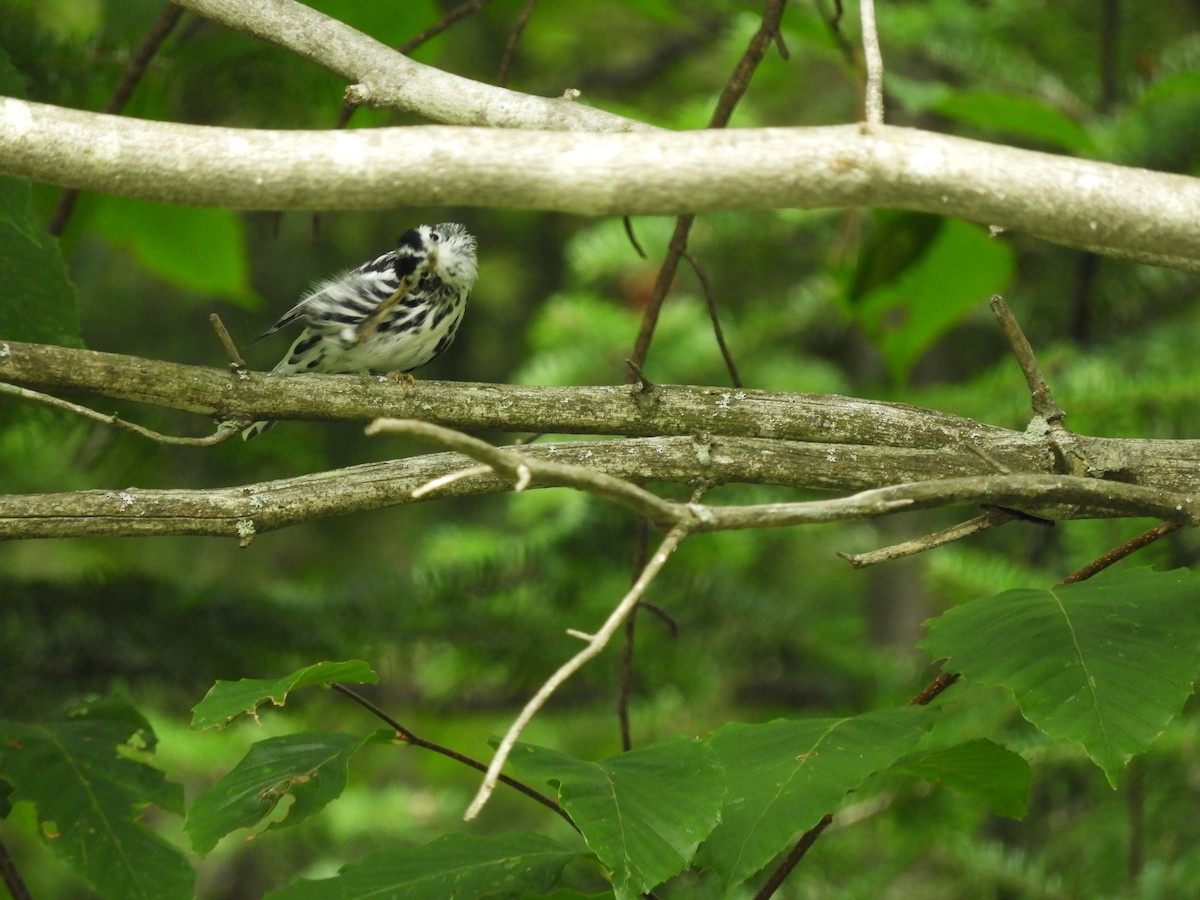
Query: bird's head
(445, 251)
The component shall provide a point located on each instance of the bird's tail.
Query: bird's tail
(256, 429)
(304, 355)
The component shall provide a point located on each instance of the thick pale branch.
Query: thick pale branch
(1121, 211)
(384, 77)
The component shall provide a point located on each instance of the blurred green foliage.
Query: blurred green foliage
(461, 606)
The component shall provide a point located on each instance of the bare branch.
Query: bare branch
(732, 93)
(510, 47)
(714, 317)
(1043, 400)
(873, 99)
(223, 432)
(595, 644)
(602, 468)
(803, 440)
(409, 737)
(1117, 554)
(990, 519)
(384, 77)
(543, 472)
(236, 363)
(1105, 208)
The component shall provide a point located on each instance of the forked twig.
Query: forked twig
(595, 643)
(734, 89)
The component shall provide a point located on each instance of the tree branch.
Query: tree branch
(595, 643)
(1104, 208)
(803, 440)
(383, 77)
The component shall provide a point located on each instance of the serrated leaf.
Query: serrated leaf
(1106, 663)
(226, 700)
(84, 776)
(980, 769)
(310, 767)
(455, 865)
(782, 777)
(956, 272)
(643, 813)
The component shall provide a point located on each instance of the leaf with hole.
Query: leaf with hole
(226, 700)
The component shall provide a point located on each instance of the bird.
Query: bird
(390, 315)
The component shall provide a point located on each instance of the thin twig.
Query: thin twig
(734, 89)
(645, 385)
(595, 644)
(1043, 400)
(409, 737)
(134, 70)
(449, 478)
(1119, 553)
(524, 471)
(514, 38)
(797, 853)
(873, 99)
(627, 221)
(990, 519)
(236, 363)
(641, 546)
(714, 317)
(662, 285)
(935, 687)
(12, 876)
(224, 430)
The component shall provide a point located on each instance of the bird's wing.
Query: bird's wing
(346, 299)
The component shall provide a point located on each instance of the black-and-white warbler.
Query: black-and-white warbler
(392, 314)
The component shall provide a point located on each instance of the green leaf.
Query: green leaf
(455, 865)
(643, 813)
(198, 249)
(1106, 663)
(980, 769)
(784, 776)
(311, 767)
(959, 269)
(1018, 116)
(86, 777)
(227, 700)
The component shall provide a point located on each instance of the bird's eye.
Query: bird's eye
(435, 236)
